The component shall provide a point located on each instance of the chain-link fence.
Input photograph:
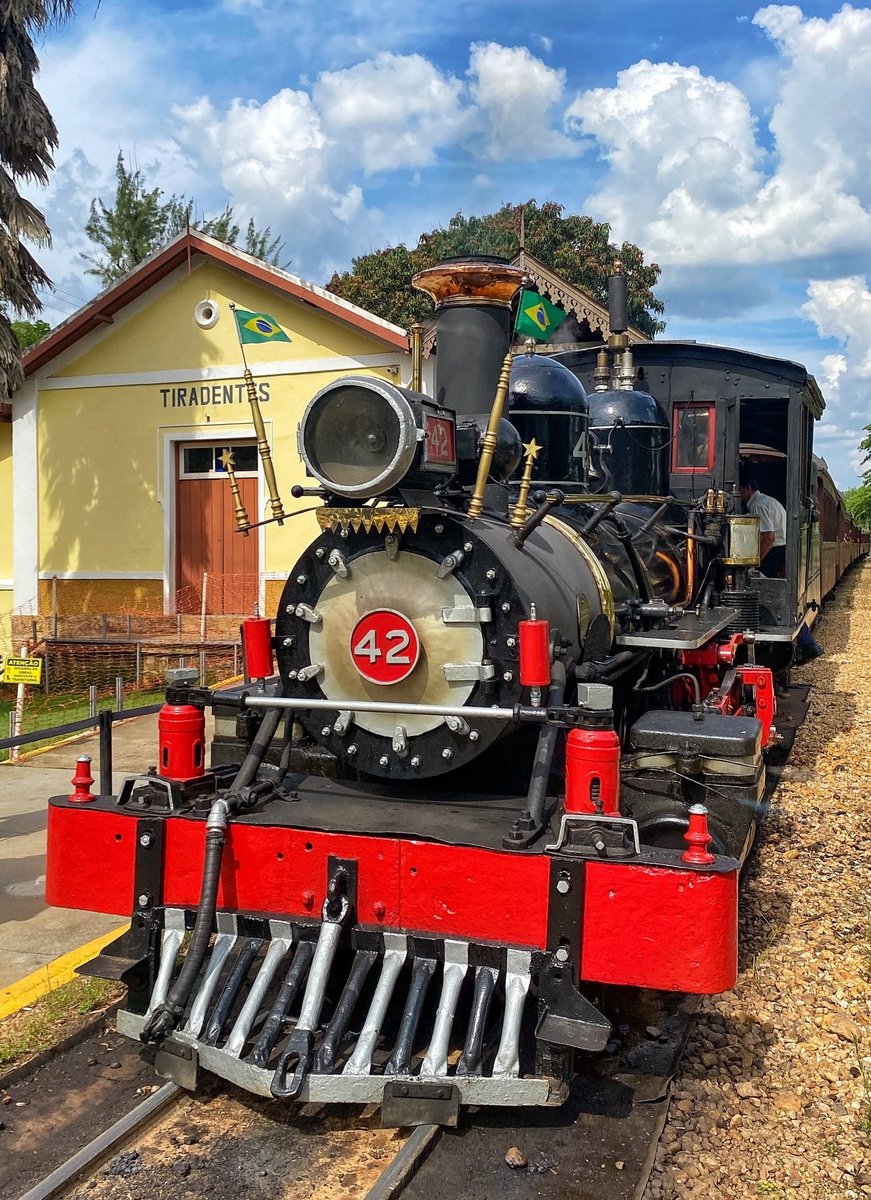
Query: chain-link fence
(106, 643)
(81, 679)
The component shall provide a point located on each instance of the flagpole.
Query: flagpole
(278, 513)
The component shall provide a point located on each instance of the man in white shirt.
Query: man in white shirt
(772, 526)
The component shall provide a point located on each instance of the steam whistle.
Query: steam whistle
(242, 522)
(278, 513)
(490, 439)
(623, 370)
(518, 512)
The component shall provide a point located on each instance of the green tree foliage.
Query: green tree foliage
(27, 138)
(858, 499)
(576, 247)
(140, 220)
(29, 333)
(858, 502)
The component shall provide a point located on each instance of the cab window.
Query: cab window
(692, 447)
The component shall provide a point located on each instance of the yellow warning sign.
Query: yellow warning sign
(23, 670)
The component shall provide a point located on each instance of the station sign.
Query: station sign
(21, 670)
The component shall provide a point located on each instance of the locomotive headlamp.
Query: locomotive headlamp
(360, 437)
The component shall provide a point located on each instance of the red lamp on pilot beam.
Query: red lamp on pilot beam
(593, 756)
(181, 728)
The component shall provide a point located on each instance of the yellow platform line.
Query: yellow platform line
(52, 975)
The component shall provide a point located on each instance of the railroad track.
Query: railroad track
(119, 1136)
(601, 1143)
(216, 1139)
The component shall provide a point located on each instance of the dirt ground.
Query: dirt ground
(774, 1095)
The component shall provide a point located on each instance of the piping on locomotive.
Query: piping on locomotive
(513, 751)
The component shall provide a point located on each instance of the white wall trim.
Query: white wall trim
(6, 585)
(170, 436)
(233, 371)
(25, 499)
(132, 575)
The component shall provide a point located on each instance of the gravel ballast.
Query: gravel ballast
(774, 1093)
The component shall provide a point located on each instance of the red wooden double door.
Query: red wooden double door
(210, 553)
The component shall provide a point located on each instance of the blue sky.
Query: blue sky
(731, 141)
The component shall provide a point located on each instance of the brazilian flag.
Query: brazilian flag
(258, 327)
(537, 317)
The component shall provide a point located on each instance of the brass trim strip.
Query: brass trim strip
(600, 578)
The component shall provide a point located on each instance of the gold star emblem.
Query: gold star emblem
(227, 460)
(532, 450)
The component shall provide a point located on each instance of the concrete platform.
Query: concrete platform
(31, 933)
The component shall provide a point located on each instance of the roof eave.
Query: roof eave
(101, 310)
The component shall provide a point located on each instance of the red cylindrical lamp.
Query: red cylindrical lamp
(534, 642)
(257, 647)
(593, 772)
(181, 730)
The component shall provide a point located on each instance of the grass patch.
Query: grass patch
(54, 1017)
(43, 711)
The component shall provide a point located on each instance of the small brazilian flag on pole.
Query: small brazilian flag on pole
(537, 317)
(258, 327)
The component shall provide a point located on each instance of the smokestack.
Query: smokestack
(473, 321)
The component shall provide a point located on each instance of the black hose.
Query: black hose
(166, 1017)
(638, 570)
(591, 672)
(654, 687)
(536, 798)
(284, 762)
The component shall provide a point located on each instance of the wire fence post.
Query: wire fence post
(105, 726)
(92, 701)
(54, 607)
(235, 659)
(18, 714)
(202, 668)
(203, 606)
(119, 693)
(138, 664)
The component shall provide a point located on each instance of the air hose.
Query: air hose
(166, 1016)
(536, 798)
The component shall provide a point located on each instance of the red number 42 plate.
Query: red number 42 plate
(385, 646)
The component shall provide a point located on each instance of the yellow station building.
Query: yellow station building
(110, 464)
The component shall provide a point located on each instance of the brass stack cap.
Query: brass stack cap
(470, 281)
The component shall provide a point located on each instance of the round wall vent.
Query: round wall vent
(206, 314)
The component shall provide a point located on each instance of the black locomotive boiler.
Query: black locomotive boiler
(514, 748)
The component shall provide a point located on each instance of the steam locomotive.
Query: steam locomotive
(514, 748)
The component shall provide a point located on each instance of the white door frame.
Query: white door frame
(170, 436)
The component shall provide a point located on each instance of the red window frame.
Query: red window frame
(677, 413)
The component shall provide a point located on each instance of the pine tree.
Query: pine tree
(28, 136)
(140, 220)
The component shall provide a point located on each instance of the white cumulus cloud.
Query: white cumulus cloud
(841, 309)
(515, 93)
(688, 178)
(391, 111)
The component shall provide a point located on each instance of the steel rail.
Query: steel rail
(402, 1166)
(105, 1142)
